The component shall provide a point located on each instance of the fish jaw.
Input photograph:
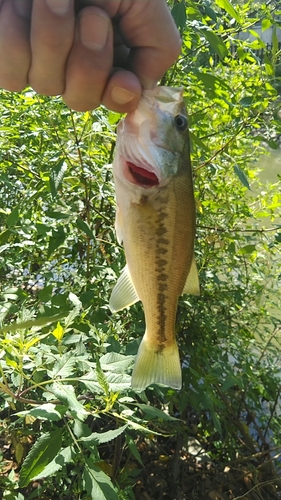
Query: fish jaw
(147, 138)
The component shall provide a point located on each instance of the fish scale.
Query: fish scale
(156, 223)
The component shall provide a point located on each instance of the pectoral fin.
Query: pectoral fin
(192, 286)
(124, 293)
(119, 225)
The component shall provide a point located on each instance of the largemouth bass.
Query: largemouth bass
(155, 220)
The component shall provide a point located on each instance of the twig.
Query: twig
(219, 151)
(222, 230)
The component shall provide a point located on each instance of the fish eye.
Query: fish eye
(181, 122)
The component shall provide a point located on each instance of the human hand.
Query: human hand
(89, 51)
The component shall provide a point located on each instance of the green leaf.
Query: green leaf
(62, 458)
(115, 362)
(63, 368)
(211, 81)
(151, 413)
(179, 14)
(216, 43)
(97, 484)
(118, 381)
(75, 300)
(56, 177)
(216, 421)
(227, 6)
(229, 382)
(103, 437)
(40, 455)
(265, 24)
(247, 101)
(4, 236)
(13, 218)
(247, 249)
(133, 448)
(278, 238)
(66, 394)
(90, 381)
(58, 215)
(241, 176)
(101, 378)
(46, 411)
(210, 12)
(46, 293)
(80, 429)
(275, 42)
(268, 66)
(84, 226)
(58, 332)
(56, 240)
(42, 321)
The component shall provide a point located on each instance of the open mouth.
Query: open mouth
(141, 176)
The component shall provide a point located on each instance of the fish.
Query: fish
(155, 221)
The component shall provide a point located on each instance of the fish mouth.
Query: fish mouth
(141, 176)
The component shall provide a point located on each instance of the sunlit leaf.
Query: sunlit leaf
(56, 176)
(64, 366)
(64, 457)
(66, 393)
(216, 43)
(58, 332)
(40, 455)
(42, 321)
(228, 7)
(97, 484)
(103, 437)
(46, 411)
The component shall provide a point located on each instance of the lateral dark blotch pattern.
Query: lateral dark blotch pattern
(162, 277)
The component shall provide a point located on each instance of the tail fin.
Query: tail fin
(154, 366)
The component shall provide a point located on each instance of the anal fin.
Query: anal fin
(192, 286)
(124, 293)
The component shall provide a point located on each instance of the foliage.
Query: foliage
(66, 404)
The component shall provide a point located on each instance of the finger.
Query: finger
(90, 61)
(122, 92)
(15, 54)
(148, 28)
(52, 35)
(123, 89)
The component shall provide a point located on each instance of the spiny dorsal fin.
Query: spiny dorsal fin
(124, 293)
(192, 286)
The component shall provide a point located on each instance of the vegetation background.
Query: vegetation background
(71, 427)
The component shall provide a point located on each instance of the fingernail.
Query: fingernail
(94, 30)
(121, 96)
(59, 7)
